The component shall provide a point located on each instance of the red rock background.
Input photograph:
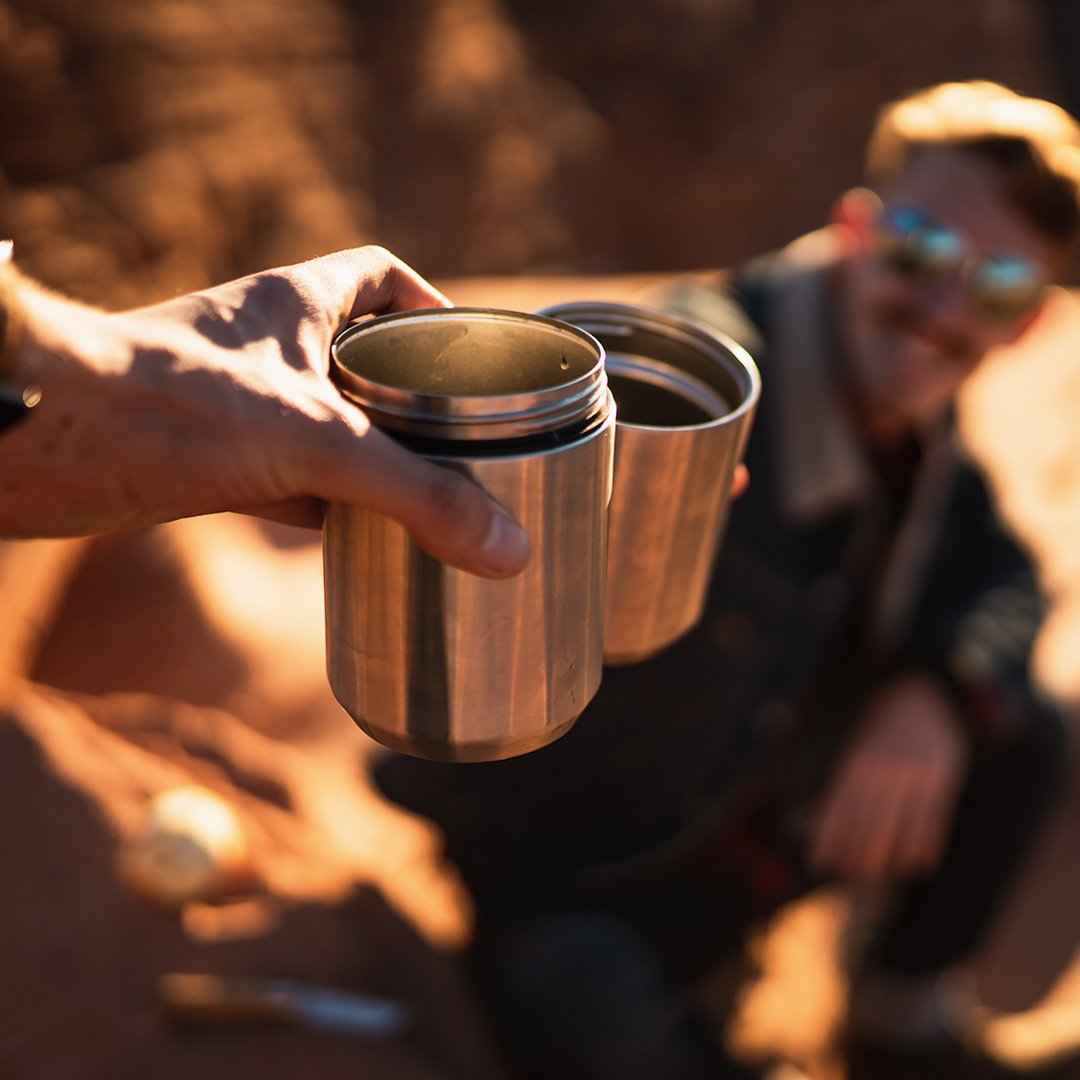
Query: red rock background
(154, 146)
(151, 145)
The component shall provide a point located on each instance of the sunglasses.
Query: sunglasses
(1003, 285)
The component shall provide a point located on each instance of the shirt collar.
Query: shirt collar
(823, 465)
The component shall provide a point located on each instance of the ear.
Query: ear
(855, 213)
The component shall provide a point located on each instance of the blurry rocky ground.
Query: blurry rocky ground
(505, 147)
(151, 145)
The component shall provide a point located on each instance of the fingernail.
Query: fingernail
(505, 550)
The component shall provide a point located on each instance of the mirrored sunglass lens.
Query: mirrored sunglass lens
(1008, 285)
(904, 220)
(941, 247)
(914, 244)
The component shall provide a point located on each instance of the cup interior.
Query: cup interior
(657, 395)
(456, 352)
(664, 370)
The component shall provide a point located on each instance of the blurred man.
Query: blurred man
(855, 704)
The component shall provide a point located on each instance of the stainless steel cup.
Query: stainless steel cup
(685, 397)
(432, 660)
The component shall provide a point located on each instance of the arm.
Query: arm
(980, 612)
(961, 680)
(888, 807)
(222, 400)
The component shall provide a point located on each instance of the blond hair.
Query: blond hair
(1035, 143)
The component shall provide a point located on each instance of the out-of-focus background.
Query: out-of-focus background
(154, 145)
(510, 149)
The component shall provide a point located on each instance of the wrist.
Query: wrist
(50, 346)
(16, 400)
(61, 338)
(966, 702)
(12, 318)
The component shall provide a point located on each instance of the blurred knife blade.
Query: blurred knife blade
(221, 999)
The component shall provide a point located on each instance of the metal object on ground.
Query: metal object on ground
(432, 660)
(686, 397)
(216, 999)
(190, 847)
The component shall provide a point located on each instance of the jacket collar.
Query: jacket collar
(823, 465)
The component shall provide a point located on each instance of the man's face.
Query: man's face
(912, 336)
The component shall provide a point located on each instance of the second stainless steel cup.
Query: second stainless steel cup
(432, 660)
(686, 398)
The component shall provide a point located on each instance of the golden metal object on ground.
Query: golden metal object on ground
(192, 846)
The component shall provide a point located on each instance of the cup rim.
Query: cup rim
(594, 314)
(470, 415)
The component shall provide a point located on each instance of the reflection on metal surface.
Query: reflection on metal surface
(432, 660)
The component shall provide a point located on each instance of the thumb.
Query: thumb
(447, 514)
(455, 520)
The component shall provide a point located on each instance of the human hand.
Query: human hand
(889, 805)
(222, 400)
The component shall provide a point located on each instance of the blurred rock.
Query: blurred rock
(148, 146)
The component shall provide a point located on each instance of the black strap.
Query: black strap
(12, 408)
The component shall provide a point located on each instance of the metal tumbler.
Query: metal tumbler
(432, 660)
(686, 397)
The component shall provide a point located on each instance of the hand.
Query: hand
(221, 400)
(889, 806)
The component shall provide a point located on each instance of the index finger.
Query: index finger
(368, 280)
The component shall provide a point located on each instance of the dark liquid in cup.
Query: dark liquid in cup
(640, 402)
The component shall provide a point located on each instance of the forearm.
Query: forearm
(15, 402)
(981, 615)
(60, 337)
(69, 361)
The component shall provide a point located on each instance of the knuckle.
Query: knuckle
(380, 254)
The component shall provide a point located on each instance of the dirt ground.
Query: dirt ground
(152, 146)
